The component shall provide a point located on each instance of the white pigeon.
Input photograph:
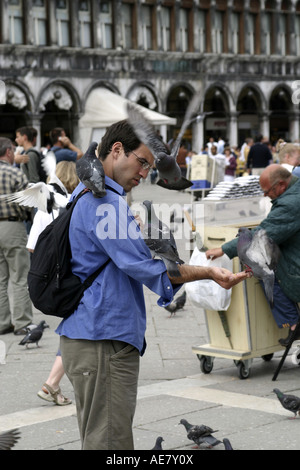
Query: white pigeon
(44, 197)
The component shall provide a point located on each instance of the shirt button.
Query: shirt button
(168, 287)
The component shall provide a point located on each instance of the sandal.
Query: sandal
(47, 393)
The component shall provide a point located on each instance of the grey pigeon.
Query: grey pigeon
(158, 445)
(160, 241)
(200, 434)
(289, 402)
(42, 196)
(259, 254)
(227, 444)
(177, 304)
(35, 335)
(9, 439)
(169, 172)
(90, 171)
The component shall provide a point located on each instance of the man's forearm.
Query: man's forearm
(191, 273)
(223, 277)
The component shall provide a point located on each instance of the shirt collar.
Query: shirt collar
(115, 186)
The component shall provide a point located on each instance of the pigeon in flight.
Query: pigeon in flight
(160, 241)
(289, 402)
(44, 197)
(158, 445)
(34, 336)
(9, 439)
(169, 172)
(90, 171)
(200, 434)
(260, 255)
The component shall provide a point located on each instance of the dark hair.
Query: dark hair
(30, 132)
(5, 144)
(55, 134)
(119, 132)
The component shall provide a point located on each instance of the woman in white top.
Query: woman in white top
(66, 172)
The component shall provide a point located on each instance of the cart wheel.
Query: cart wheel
(244, 372)
(267, 357)
(206, 364)
(296, 357)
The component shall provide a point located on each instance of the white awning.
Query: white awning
(104, 108)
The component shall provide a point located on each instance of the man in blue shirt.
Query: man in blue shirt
(102, 340)
(63, 148)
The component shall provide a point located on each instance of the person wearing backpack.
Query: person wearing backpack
(102, 341)
(29, 159)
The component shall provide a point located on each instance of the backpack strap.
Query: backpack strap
(89, 281)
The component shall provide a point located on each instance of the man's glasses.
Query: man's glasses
(142, 161)
(266, 193)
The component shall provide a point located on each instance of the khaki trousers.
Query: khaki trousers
(14, 267)
(104, 375)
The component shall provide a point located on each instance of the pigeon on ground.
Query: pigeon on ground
(42, 196)
(260, 255)
(90, 171)
(177, 304)
(9, 439)
(169, 172)
(34, 336)
(227, 444)
(160, 241)
(158, 445)
(200, 434)
(289, 402)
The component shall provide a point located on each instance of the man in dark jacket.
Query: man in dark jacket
(282, 225)
(259, 157)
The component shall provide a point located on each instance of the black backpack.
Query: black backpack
(53, 288)
(42, 174)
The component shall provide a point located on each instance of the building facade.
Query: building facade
(243, 56)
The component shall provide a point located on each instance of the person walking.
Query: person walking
(14, 257)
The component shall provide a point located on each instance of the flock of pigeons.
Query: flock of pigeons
(199, 434)
(202, 434)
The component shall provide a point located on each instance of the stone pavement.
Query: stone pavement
(171, 385)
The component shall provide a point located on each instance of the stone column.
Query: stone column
(233, 129)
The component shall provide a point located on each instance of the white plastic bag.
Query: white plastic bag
(208, 294)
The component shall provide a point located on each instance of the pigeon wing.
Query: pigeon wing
(35, 195)
(9, 439)
(291, 402)
(265, 248)
(49, 163)
(192, 109)
(144, 130)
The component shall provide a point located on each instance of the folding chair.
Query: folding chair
(288, 347)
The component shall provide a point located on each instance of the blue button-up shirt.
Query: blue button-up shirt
(113, 307)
